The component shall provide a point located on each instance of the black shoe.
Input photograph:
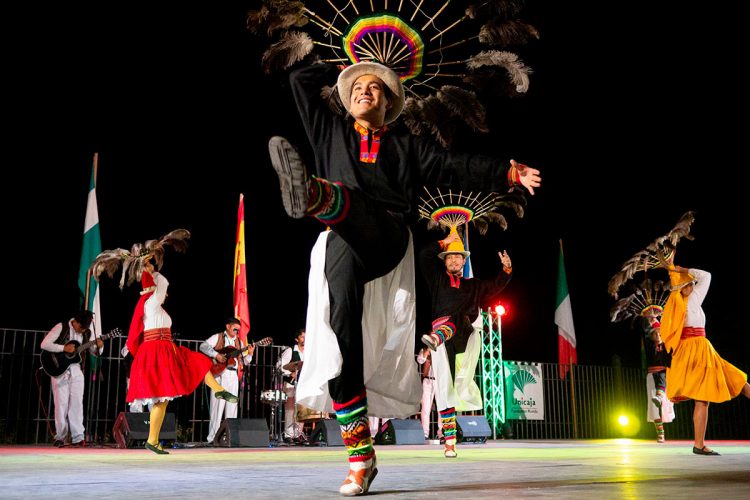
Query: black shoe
(227, 396)
(704, 451)
(58, 443)
(156, 449)
(292, 176)
(79, 444)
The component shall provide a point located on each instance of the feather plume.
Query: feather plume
(277, 15)
(132, 261)
(518, 73)
(657, 254)
(412, 116)
(291, 48)
(436, 115)
(504, 33)
(495, 218)
(464, 105)
(501, 8)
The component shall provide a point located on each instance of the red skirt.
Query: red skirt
(163, 370)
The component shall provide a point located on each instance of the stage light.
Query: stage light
(627, 424)
(500, 310)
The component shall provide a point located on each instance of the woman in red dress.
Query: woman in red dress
(162, 371)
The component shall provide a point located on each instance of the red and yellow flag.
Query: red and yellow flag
(241, 308)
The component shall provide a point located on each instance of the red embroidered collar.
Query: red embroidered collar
(369, 153)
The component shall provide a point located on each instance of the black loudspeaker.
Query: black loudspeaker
(398, 431)
(242, 432)
(327, 433)
(472, 429)
(131, 429)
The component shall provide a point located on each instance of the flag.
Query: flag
(468, 271)
(566, 334)
(241, 308)
(92, 246)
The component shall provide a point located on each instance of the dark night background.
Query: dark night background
(635, 115)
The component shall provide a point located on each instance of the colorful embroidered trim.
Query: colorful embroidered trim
(367, 153)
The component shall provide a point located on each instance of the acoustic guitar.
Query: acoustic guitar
(55, 363)
(230, 353)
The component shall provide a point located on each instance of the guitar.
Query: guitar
(230, 352)
(55, 363)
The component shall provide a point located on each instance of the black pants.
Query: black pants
(367, 244)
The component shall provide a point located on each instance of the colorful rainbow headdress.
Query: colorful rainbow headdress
(646, 300)
(450, 210)
(133, 261)
(434, 47)
(658, 254)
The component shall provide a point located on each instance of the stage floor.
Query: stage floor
(509, 469)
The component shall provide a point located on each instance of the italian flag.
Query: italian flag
(566, 334)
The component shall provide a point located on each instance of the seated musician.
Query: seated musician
(227, 371)
(292, 427)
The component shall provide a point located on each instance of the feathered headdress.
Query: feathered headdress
(658, 254)
(133, 260)
(450, 210)
(646, 300)
(448, 56)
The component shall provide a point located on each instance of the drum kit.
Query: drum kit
(278, 396)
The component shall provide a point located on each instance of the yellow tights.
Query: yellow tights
(212, 383)
(159, 410)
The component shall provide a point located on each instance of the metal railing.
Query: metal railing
(601, 394)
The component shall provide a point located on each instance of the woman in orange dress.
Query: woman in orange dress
(697, 371)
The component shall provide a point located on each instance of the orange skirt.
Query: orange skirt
(699, 373)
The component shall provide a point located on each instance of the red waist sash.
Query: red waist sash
(157, 334)
(693, 331)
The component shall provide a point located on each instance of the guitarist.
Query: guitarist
(229, 378)
(67, 388)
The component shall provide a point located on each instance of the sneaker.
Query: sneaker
(58, 443)
(657, 401)
(450, 451)
(359, 481)
(431, 341)
(292, 174)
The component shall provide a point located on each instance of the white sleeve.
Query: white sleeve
(286, 357)
(160, 294)
(48, 344)
(700, 290)
(207, 348)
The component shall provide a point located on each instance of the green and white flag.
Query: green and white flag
(92, 246)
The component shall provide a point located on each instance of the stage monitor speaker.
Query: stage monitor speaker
(472, 429)
(399, 431)
(243, 433)
(327, 433)
(131, 429)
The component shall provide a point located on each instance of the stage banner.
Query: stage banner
(524, 391)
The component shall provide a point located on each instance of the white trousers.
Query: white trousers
(67, 390)
(219, 408)
(292, 428)
(428, 396)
